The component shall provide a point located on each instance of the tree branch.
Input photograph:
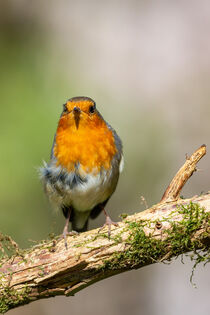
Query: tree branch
(170, 228)
(185, 172)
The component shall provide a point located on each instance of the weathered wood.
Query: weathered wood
(184, 173)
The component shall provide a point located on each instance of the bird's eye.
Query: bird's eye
(92, 109)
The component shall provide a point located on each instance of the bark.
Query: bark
(170, 228)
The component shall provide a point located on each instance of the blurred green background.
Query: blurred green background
(147, 66)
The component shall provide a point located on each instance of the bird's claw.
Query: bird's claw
(65, 234)
(108, 223)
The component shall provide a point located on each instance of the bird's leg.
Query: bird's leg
(108, 223)
(66, 226)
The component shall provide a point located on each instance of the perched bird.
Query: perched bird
(86, 160)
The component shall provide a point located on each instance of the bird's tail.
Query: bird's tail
(80, 221)
(79, 229)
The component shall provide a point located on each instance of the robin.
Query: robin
(86, 160)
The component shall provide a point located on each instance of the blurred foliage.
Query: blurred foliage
(29, 97)
(33, 88)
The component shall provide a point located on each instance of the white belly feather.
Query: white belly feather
(83, 195)
(96, 189)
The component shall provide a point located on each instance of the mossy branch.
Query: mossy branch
(159, 233)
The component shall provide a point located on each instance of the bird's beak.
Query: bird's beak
(76, 112)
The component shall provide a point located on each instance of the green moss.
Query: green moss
(10, 298)
(143, 249)
(181, 236)
(123, 215)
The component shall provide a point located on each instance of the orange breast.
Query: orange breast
(92, 144)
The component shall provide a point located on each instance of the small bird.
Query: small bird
(86, 160)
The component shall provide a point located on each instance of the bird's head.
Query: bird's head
(79, 112)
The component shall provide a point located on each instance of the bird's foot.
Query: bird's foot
(108, 223)
(65, 234)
